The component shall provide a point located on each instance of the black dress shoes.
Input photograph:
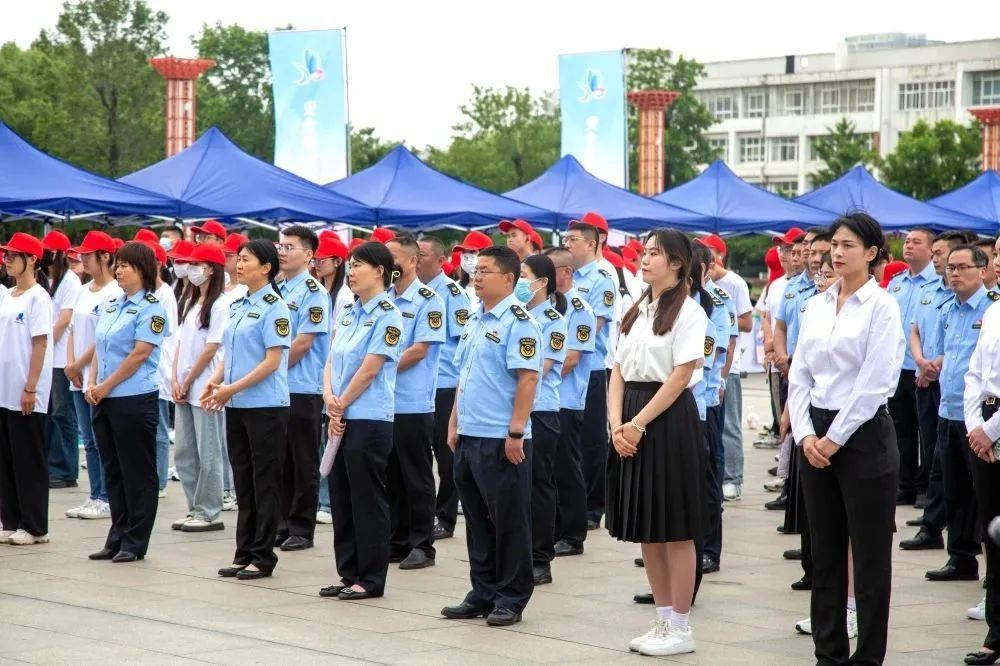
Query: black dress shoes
(915, 522)
(296, 543)
(777, 504)
(951, 572)
(646, 598)
(502, 617)
(562, 549)
(982, 657)
(56, 484)
(126, 556)
(442, 532)
(103, 554)
(802, 584)
(350, 594)
(417, 559)
(332, 590)
(542, 575)
(638, 562)
(773, 471)
(465, 611)
(708, 565)
(280, 539)
(230, 572)
(792, 554)
(924, 540)
(254, 574)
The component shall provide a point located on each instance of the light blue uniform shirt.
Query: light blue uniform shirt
(495, 345)
(797, 294)
(957, 335)
(553, 327)
(423, 321)
(933, 298)
(598, 289)
(375, 327)
(457, 311)
(579, 337)
(723, 326)
(709, 359)
(309, 304)
(905, 288)
(124, 321)
(257, 322)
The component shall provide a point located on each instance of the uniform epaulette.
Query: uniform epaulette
(577, 303)
(993, 296)
(270, 299)
(348, 306)
(454, 289)
(519, 312)
(716, 300)
(385, 305)
(152, 299)
(721, 292)
(604, 273)
(807, 288)
(425, 292)
(551, 314)
(311, 284)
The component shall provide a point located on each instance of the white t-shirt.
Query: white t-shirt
(770, 300)
(165, 294)
(343, 298)
(622, 304)
(646, 357)
(21, 319)
(64, 299)
(191, 341)
(235, 294)
(738, 290)
(86, 312)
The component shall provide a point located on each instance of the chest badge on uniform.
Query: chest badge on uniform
(392, 336)
(316, 315)
(609, 298)
(978, 325)
(925, 301)
(583, 333)
(557, 341)
(898, 287)
(462, 317)
(281, 327)
(709, 346)
(156, 324)
(528, 347)
(434, 319)
(789, 296)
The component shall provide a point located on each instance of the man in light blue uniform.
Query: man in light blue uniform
(490, 429)
(411, 470)
(431, 257)
(309, 309)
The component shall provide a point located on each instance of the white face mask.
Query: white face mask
(166, 243)
(181, 271)
(197, 276)
(469, 263)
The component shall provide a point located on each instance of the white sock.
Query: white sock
(852, 604)
(663, 612)
(679, 621)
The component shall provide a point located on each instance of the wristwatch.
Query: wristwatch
(513, 434)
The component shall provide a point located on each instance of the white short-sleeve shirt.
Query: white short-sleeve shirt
(646, 357)
(22, 318)
(86, 312)
(64, 299)
(165, 294)
(192, 340)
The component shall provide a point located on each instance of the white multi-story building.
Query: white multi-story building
(770, 111)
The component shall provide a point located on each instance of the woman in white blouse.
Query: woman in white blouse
(846, 366)
(656, 479)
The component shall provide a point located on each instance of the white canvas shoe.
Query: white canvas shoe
(324, 518)
(657, 626)
(5, 535)
(672, 641)
(98, 510)
(977, 612)
(22, 538)
(75, 511)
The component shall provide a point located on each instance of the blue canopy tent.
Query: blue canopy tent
(980, 198)
(214, 174)
(569, 191)
(857, 190)
(733, 206)
(33, 183)
(404, 191)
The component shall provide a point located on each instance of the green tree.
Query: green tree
(841, 150)
(687, 119)
(367, 148)
(933, 159)
(507, 138)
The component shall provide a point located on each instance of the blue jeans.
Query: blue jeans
(163, 443)
(732, 433)
(61, 435)
(95, 470)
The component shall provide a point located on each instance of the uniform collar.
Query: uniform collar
(410, 292)
(373, 303)
(584, 271)
(255, 298)
(292, 283)
(502, 306)
(438, 280)
(137, 297)
(975, 299)
(540, 308)
(926, 275)
(867, 290)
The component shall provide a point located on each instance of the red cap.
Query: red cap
(25, 244)
(96, 241)
(233, 242)
(144, 235)
(774, 270)
(212, 228)
(791, 236)
(56, 241)
(448, 268)
(456, 260)
(592, 219)
(330, 245)
(536, 238)
(71, 255)
(892, 269)
(629, 253)
(474, 241)
(382, 235)
(208, 254)
(118, 243)
(161, 254)
(355, 244)
(714, 242)
(636, 245)
(522, 225)
(613, 258)
(181, 251)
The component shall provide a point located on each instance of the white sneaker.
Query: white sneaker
(22, 538)
(172, 474)
(671, 641)
(96, 511)
(177, 524)
(804, 626)
(162, 494)
(977, 612)
(229, 501)
(75, 511)
(656, 626)
(852, 623)
(732, 491)
(324, 518)
(774, 485)
(5, 536)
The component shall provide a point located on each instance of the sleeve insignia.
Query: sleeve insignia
(462, 317)
(709, 345)
(434, 319)
(609, 298)
(281, 327)
(156, 324)
(583, 333)
(316, 315)
(528, 347)
(556, 341)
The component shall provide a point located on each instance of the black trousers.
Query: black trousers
(571, 488)
(713, 482)
(410, 477)
(852, 501)
(255, 437)
(544, 442)
(125, 430)
(959, 495)
(300, 476)
(594, 441)
(496, 501)
(903, 408)
(928, 401)
(24, 473)
(360, 504)
(447, 496)
(986, 478)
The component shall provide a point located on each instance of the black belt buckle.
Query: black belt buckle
(990, 400)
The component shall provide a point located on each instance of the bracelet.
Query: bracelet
(635, 425)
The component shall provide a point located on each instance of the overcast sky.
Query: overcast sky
(411, 64)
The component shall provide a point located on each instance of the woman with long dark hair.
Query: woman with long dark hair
(252, 385)
(656, 472)
(330, 265)
(198, 435)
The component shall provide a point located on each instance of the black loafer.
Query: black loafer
(502, 617)
(246, 574)
(792, 554)
(773, 471)
(982, 657)
(950, 572)
(638, 562)
(350, 594)
(563, 549)
(802, 584)
(465, 611)
(708, 565)
(332, 590)
(417, 559)
(646, 598)
(915, 522)
(777, 504)
(541, 575)
(126, 556)
(924, 540)
(230, 572)
(103, 554)
(442, 532)
(296, 543)
(280, 539)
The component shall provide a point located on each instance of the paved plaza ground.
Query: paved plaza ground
(56, 607)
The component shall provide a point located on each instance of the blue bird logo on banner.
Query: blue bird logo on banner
(592, 88)
(310, 69)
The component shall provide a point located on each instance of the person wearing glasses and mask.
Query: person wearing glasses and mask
(210, 232)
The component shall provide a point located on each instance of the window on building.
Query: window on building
(785, 188)
(926, 95)
(754, 105)
(720, 104)
(785, 149)
(720, 146)
(829, 100)
(864, 93)
(986, 88)
(795, 102)
(751, 149)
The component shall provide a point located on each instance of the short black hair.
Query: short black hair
(953, 238)
(819, 231)
(989, 242)
(173, 229)
(376, 254)
(266, 253)
(825, 236)
(434, 242)
(865, 227)
(564, 256)
(588, 231)
(927, 231)
(506, 259)
(140, 257)
(309, 239)
(979, 257)
(405, 239)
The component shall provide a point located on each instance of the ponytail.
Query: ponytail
(559, 301)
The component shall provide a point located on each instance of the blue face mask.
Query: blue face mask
(523, 291)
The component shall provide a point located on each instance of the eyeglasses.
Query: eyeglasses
(286, 247)
(11, 256)
(952, 268)
(482, 272)
(568, 240)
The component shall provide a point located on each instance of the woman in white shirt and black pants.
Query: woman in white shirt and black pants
(846, 366)
(656, 472)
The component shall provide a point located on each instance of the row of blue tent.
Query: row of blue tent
(214, 178)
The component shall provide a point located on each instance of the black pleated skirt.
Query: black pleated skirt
(658, 495)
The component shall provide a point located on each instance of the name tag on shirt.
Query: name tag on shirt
(132, 311)
(253, 315)
(493, 337)
(409, 315)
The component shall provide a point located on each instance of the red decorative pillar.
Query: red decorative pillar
(989, 120)
(652, 106)
(181, 74)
